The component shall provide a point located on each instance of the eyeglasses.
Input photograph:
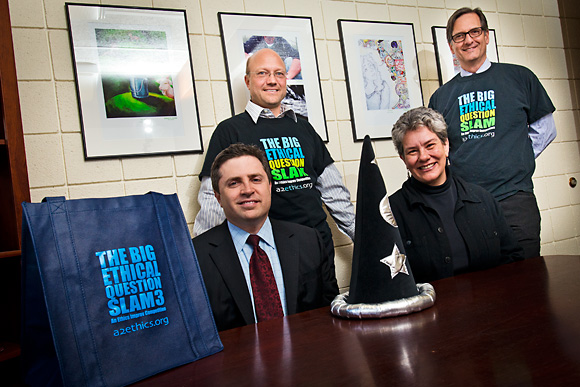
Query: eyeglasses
(460, 37)
(267, 74)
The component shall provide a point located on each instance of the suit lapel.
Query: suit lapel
(289, 260)
(224, 256)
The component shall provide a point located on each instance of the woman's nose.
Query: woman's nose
(423, 154)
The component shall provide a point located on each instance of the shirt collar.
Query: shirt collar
(256, 111)
(240, 236)
(485, 66)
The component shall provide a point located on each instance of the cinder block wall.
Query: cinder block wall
(529, 32)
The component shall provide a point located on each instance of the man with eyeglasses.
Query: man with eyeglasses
(499, 119)
(295, 97)
(302, 169)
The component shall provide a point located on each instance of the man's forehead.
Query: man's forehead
(266, 60)
(239, 167)
(263, 64)
(471, 16)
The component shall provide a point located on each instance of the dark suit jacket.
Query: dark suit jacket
(309, 281)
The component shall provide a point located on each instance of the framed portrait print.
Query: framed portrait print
(293, 39)
(447, 63)
(382, 74)
(134, 80)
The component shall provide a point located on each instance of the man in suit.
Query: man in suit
(294, 254)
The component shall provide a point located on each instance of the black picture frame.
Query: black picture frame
(382, 74)
(134, 80)
(241, 32)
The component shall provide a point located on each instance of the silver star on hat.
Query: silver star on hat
(396, 262)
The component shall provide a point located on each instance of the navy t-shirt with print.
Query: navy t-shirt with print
(487, 116)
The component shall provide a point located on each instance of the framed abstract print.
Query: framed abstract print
(382, 74)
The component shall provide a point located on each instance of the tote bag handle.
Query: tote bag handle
(87, 354)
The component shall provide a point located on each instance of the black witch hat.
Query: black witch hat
(381, 280)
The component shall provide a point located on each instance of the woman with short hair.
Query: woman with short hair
(448, 226)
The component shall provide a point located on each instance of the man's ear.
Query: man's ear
(218, 197)
(247, 80)
(451, 48)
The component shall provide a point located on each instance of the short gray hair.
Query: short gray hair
(414, 118)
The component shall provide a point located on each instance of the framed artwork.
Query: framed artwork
(382, 74)
(447, 63)
(293, 39)
(134, 81)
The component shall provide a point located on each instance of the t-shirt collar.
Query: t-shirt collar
(256, 111)
(485, 66)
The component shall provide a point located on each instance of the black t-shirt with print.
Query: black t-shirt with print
(296, 155)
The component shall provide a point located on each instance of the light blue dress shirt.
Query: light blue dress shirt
(245, 251)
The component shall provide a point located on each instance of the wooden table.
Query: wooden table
(518, 324)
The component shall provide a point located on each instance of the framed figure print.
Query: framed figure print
(447, 63)
(382, 74)
(134, 80)
(293, 39)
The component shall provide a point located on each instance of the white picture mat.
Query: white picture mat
(108, 137)
(377, 123)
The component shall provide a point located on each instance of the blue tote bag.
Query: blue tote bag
(111, 291)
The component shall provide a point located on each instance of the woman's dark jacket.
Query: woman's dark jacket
(479, 218)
